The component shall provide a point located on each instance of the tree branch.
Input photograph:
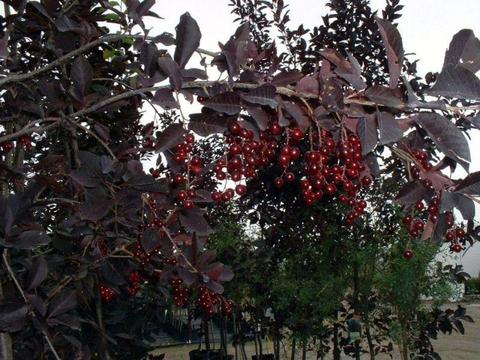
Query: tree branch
(22, 293)
(61, 60)
(206, 84)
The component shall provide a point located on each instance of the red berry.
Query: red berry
(456, 248)
(279, 182)
(188, 204)
(289, 177)
(419, 206)
(366, 181)
(235, 128)
(297, 134)
(241, 189)
(182, 195)
(276, 129)
(217, 196)
(7, 146)
(330, 189)
(408, 254)
(460, 233)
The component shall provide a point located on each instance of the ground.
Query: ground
(450, 347)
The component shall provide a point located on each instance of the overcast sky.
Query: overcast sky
(427, 26)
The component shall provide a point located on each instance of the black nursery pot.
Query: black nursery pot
(208, 355)
(263, 357)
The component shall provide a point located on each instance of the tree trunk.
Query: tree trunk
(371, 350)
(206, 334)
(336, 349)
(304, 350)
(260, 345)
(6, 350)
(294, 343)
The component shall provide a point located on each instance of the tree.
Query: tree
(84, 227)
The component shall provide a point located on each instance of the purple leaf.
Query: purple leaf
(308, 85)
(465, 205)
(470, 185)
(390, 130)
(81, 74)
(411, 193)
(464, 50)
(286, 78)
(165, 38)
(456, 82)
(331, 93)
(170, 137)
(30, 239)
(236, 49)
(64, 302)
(164, 98)
(262, 95)
(188, 39)
(37, 272)
(194, 221)
(171, 69)
(151, 240)
(228, 103)
(394, 48)
(187, 276)
(382, 95)
(260, 116)
(148, 57)
(297, 114)
(367, 132)
(96, 205)
(205, 124)
(13, 316)
(448, 138)
(351, 72)
(440, 229)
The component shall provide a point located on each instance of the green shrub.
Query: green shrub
(473, 286)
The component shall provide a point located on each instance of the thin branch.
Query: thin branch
(207, 84)
(17, 284)
(61, 60)
(103, 143)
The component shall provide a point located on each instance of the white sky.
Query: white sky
(427, 26)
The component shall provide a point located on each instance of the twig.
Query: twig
(17, 284)
(104, 39)
(206, 84)
(103, 143)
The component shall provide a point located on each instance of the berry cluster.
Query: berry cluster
(140, 254)
(106, 292)
(207, 300)
(228, 307)
(327, 167)
(180, 293)
(135, 279)
(25, 141)
(416, 222)
(185, 197)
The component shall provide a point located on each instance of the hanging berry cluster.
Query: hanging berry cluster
(106, 292)
(180, 292)
(207, 300)
(135, 279)
(24, 140)
(323, 166)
